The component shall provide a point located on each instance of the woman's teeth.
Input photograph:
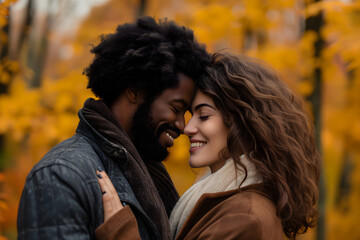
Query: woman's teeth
(167, 134)
(197, 144)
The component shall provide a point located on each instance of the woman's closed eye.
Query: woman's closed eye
(203, 111)
(204, 117)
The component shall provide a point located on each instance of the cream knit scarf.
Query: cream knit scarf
(225, 179)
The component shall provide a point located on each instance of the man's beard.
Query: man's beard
(144, 137)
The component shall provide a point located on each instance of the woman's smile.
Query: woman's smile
(207, 133)
(196, 145)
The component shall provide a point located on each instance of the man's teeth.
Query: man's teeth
(167, 134)
(197, 144)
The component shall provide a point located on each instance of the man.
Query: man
(144, 77)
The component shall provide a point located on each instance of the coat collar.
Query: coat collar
(258, 188)
(115, 151)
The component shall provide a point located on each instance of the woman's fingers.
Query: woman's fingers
(102, 183)
(111, 200)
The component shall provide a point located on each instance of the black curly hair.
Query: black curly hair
(144, 55)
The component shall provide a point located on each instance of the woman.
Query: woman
(254, 135)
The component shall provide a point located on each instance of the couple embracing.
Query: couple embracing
(108, 180)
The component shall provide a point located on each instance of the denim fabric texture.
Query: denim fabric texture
(62, 197)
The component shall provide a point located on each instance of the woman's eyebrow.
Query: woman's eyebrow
(197, 107)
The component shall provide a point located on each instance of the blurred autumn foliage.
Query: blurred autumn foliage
(314, 45)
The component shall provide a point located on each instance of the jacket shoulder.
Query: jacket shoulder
(255, 204)
(256, 211)
(244, 215)
(75, 153)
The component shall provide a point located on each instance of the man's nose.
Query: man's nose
(180, 124)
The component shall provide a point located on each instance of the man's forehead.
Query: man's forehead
(175, 96)
(182, 93)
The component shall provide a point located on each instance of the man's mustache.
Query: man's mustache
(163, 128)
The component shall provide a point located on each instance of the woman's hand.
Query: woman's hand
(111, 200)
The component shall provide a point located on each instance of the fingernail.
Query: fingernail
(100, 169)
(99, 176)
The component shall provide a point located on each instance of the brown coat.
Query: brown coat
(244, 213)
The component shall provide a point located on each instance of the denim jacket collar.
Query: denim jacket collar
(115, 151)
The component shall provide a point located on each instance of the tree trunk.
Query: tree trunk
(4, 50)
(36, 47)
(3, 57)
(315, 24)
(142, 8)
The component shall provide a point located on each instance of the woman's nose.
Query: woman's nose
(190, 128)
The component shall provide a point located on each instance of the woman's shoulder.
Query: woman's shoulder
(241, 212)
(258, 208)
(252, 201)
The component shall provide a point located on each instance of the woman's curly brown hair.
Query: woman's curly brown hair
(269, 124)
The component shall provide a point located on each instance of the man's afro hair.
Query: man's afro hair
(144, 55)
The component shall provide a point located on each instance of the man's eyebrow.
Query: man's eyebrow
(181, 101)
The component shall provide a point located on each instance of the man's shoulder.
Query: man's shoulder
(71, 147)
(75, 153)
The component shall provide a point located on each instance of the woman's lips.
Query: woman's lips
(195, 145)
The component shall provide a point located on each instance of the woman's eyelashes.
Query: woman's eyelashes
(204, 113)
(204, 117)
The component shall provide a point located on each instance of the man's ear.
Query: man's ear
(134, 95)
